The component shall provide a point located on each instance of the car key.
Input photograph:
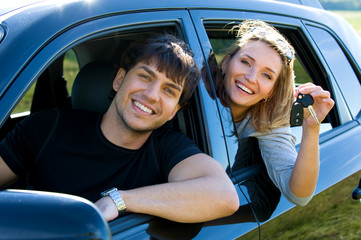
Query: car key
(296, 118)
(307, 101)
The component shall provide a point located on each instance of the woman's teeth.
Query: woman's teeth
(247, 90)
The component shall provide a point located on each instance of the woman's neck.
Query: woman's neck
(239, 113)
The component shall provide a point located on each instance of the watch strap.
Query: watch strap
(117, 199)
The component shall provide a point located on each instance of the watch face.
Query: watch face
(107, 192)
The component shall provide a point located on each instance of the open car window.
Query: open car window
(247, 166)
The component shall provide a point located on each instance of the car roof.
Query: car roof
(10, 6)
(27, 8)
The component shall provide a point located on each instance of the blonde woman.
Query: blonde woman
(257, 83)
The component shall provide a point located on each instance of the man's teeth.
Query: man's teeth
(244, 88)
(143, 108)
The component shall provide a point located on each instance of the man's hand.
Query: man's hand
(108, 208)
(7, 176)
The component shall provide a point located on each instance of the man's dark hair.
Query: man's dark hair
(172, 56)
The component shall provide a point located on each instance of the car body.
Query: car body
(37, 36)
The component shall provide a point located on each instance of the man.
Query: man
(157, 171)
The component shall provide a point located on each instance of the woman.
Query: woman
(257, 84)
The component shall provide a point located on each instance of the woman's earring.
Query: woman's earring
(265, 99)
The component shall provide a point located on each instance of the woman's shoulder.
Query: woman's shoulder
(245, 129)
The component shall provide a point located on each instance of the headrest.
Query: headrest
(92, 87)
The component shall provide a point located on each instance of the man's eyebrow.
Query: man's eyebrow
(170, 84)
(148, 70)
(175, 86)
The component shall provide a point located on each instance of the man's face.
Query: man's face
(146, 98)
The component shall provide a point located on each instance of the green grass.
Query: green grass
(353, 17)
(332, 214)
(25, 103)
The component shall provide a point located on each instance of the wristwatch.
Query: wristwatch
(117, 199)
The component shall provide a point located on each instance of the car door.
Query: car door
(322, 58)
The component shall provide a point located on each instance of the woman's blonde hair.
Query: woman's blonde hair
(274, 111)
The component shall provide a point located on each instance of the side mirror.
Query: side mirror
(43, 215)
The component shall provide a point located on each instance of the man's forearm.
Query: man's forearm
(193, 200)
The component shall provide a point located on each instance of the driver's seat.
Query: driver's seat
(92, 88)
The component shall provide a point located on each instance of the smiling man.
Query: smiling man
(158, 171)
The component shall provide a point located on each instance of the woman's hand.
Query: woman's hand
(304, 176)
(322, 105)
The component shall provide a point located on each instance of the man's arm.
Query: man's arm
(6, 175)
(198, 190)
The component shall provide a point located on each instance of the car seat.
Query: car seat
(92, 88)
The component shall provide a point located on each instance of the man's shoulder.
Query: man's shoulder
(64, 113)
(78, 114)
(40, 118)
(168, 136)
(167, 129)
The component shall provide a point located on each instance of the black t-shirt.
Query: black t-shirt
(65, 151)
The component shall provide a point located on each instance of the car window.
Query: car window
(341, 69)
(53, 88)
(247, 166)
(70, 70)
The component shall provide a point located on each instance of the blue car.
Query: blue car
(53, 52)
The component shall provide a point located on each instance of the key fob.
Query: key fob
(296, 118)
(305, 100)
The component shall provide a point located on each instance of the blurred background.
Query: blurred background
(349, 9)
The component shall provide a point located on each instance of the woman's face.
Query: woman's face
(250, 75)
